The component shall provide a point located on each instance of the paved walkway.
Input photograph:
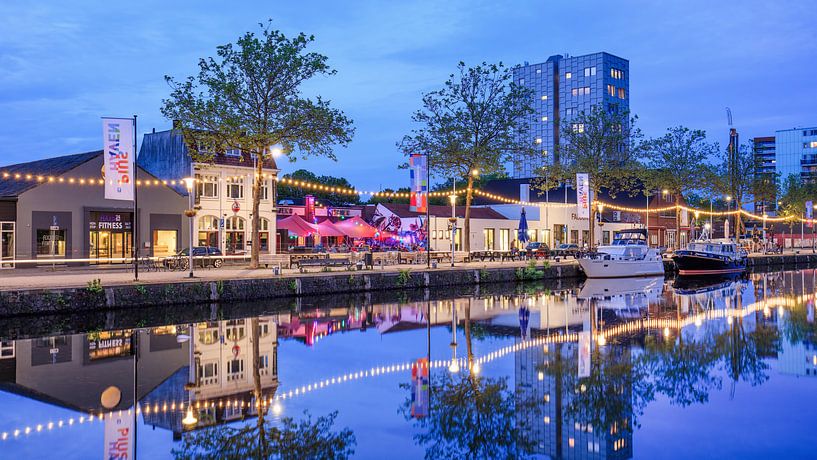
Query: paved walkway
(42, 278)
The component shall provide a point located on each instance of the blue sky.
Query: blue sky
(65, 64)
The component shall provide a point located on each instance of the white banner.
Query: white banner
(117, 135)
(582, 196)
(118, 436)
(584, 354)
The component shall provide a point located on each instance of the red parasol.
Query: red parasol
(297, 225)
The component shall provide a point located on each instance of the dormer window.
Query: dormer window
(230, 152)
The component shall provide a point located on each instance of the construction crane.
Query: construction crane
(732, 159)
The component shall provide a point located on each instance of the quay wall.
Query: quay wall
(86, 299)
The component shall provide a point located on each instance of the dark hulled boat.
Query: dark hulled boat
(710, 257)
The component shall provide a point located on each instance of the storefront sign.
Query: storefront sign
(418, 171)
(582, 195)
(118, 436)
(119, 155)
(309, 212)
(236, 206)
(110, 221)
(109, 345)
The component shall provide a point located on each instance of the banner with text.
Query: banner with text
(119, 156)
(809, 212)
(582, 196)
(118, 435)
(584, 354)
(418, 170)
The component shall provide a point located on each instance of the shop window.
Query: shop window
(7, 247)
(164, 242)
(504, 239)
(488, 235)
(51, 243)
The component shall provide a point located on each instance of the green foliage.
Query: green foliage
(484, 275)
(530, 272)
(220, 287)
(794, 194)
(306, 438)
(735, 176)
(141, 289)
(294, 191)
(403, 277)
(293, 286)
(95, 286)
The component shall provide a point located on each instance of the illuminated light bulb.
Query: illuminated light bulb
(70, 421)
(81, 419)
(541, 376)
(602, 341)
(666, 332)
(59, 424)
(277, 408)
(476, 368)
(28, 430)
(729, 319)
(16, 433)
(39, 427)
(698, 322)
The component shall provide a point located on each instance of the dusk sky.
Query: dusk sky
(63, 65)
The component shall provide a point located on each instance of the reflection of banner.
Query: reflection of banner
(419, 388)
(584, 354)
(309, 209)
(418, 169)
(582, 196)
(118, 436)
(119, 155)
(809, 211)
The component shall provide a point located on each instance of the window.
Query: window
(50, 243)
(584, 90)
(538, 140)
(578, 127)
(235, 223)
(568, 75)
(235, 187)
(611, 90)
(265, 190)
(235, 366)
(6, 349)
(544, 97)
(570, 111)
(617, 74)
(488, 236)
(233, 152)
(521, 81)
(538, 70)
(621, 93)
(544, 118)
(589, 71)
(206, 186)
(813, 144)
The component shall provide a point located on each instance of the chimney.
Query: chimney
(154, 131)
(177, 124)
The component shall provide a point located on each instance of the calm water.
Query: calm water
(644, 368)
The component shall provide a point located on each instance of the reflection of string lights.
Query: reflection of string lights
(665, 325)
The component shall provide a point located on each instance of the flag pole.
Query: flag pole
(135, 228)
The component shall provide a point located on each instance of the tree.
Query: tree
(603, 143)
(677, 162)
(294, 191)
(249, 98)
(471, 125)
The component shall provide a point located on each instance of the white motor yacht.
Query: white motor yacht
(628, 255)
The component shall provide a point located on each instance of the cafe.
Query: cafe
(53, 211)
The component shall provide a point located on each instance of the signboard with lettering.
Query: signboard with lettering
(110, 221)
(109, 345)
(118, 141)
(418, 170)
(583, 195)
(118, 435)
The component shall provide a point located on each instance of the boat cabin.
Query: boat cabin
(713, 247)
(632, 237)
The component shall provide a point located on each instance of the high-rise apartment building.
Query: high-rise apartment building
(789, 152)
(563, 87)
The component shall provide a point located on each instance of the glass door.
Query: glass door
(118, 246)
(103, 247)
(6, 244)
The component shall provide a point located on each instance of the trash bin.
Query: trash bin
(368, 259)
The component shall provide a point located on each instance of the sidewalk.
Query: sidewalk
(45, 278)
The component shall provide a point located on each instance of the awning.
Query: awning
(327, 228)
(356, 227)
(296, 225)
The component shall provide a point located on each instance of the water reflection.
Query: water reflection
(566, 373)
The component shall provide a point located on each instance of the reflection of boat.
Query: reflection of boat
(710, 257)
(628, 255)
(697, 285)
(630, 294)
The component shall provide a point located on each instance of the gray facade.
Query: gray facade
(562, 88)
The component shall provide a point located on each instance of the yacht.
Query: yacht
(710, 257)
(628, 255)
(628, 299)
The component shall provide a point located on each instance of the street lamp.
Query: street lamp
(454, 367)
(728, 203)
(190, 213)
(453, 224)
(189, 419)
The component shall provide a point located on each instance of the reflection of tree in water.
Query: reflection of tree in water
(797, 326)
(303, 439)
(743, 352)
(682, 370)
(472, 417)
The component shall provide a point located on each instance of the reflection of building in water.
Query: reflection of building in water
(73, 370)
(556, 433)
(222, 372)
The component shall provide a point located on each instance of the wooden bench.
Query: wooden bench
(323, 263)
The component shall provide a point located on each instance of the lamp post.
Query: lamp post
(453, 224)
(190, 213)
(728, 203)
(454, 367)
(814, 208)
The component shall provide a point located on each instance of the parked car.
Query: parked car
(537, 249)
(202, 256)
(565, 249)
